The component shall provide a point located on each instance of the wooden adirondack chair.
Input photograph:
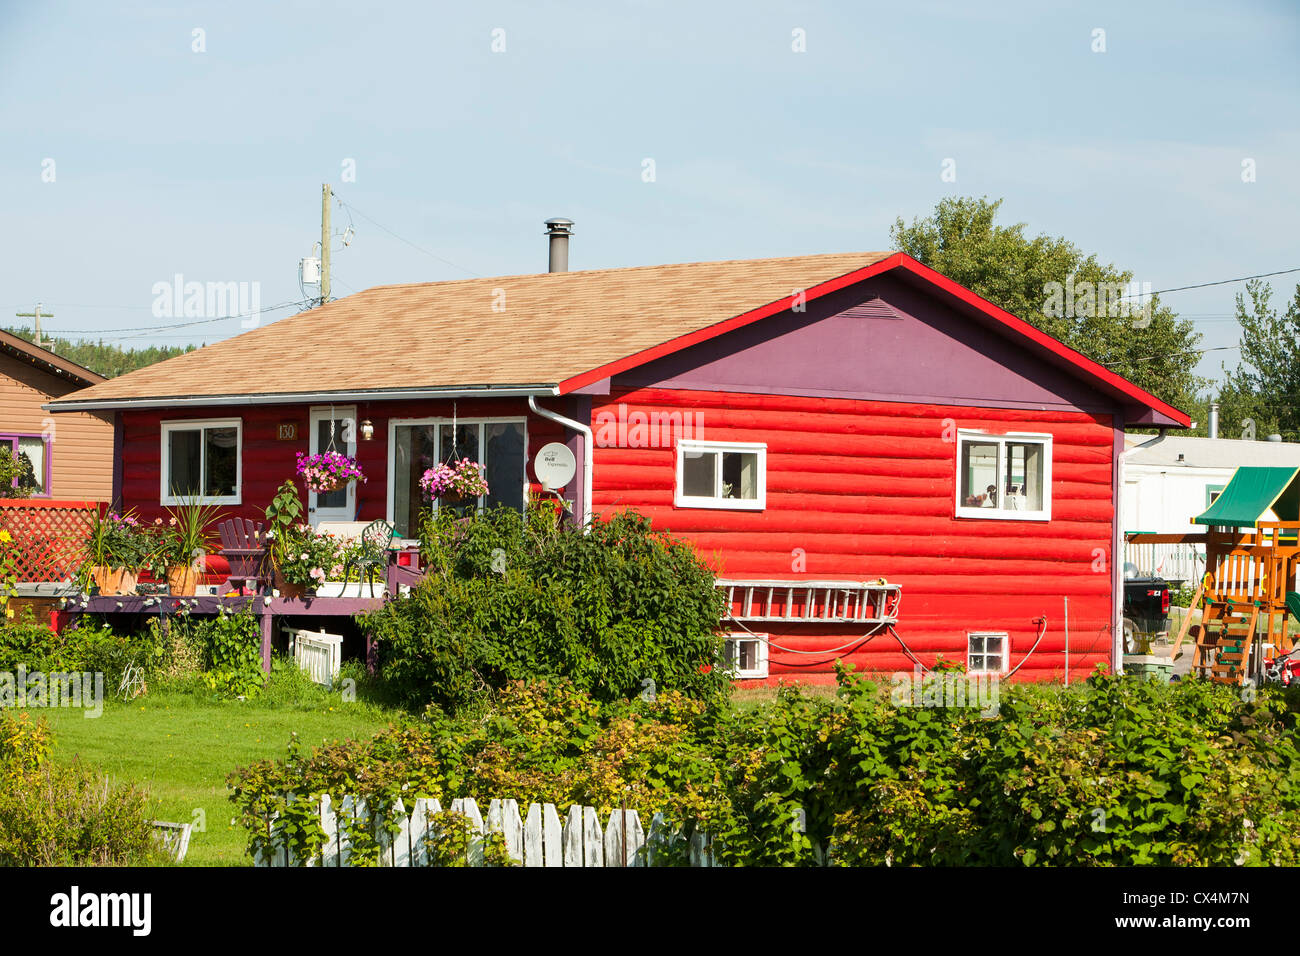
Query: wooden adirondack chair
(243, 546)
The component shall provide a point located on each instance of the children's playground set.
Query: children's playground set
(1249, 593)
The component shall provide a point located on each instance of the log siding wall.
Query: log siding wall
(859, 490)
(267, 461)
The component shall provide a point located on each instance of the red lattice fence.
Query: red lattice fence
(49, 537)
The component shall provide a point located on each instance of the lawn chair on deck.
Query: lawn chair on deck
(244, 547)
(376, 538)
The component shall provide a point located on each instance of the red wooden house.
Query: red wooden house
(854, 418)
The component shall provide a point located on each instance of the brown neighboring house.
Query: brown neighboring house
(70, 460)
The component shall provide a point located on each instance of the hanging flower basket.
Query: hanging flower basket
(328, 471)
(455, 483)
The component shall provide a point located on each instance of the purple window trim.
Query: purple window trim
(12, 438)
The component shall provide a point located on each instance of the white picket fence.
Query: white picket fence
(537, 838)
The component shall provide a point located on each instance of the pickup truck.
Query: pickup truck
(1146, 607)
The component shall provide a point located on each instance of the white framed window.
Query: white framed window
(1004, 476)
(202, 459)
(417, 444)
(721, 474)
(745, 655)
(987, 652)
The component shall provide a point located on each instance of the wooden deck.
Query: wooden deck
(265, 605)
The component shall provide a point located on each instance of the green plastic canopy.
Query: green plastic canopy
(1252, 492)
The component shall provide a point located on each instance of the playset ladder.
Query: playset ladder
(1223, 641)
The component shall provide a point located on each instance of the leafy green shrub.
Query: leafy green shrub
(1113, 772)
(24, 745)
(13, 466)
(512, 597)
(1182, 595)
(27, 643)
(449, 837)
(220, 653)
(234, 652)
(1117, 772)
(73, 816)
(87, 646)
(64, 816)
(183, 653)
(543, 742)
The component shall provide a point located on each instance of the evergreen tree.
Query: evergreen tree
(108, 360)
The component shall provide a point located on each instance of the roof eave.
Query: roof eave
(48, 362)
(300, 398)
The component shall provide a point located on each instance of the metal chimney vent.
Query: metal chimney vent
(559, 230)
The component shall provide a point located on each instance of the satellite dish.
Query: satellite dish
(555, 465)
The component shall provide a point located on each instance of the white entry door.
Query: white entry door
(333, 429)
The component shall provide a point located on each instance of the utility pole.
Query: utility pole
(324, 243)
(36, 316)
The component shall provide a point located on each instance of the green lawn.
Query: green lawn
(752, 698)
(182, 746)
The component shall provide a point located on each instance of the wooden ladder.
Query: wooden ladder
(1223, 641)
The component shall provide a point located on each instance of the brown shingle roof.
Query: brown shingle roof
(46, 360)
(517, 330)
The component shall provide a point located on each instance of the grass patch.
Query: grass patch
(181, 743)
(747, 699)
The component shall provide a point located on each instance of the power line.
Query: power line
(1152, 358)
(413, 245)
(179, 325)
(1202, 285)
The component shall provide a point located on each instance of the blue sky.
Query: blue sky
(210, 164)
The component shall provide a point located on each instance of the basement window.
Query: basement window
(986, 652)
(721, 475)
(200, 461)
(745, 655)
(1004, 476)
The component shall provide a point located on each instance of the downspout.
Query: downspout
(585, 431)
(1151, 441)
(1117, 552)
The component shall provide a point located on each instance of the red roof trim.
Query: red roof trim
(1076, 360)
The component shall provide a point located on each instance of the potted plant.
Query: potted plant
(308, 554)
(13, 467)
(455, 484)
(328, 471)
(117, 547)
(299, 555)
(183, 540)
